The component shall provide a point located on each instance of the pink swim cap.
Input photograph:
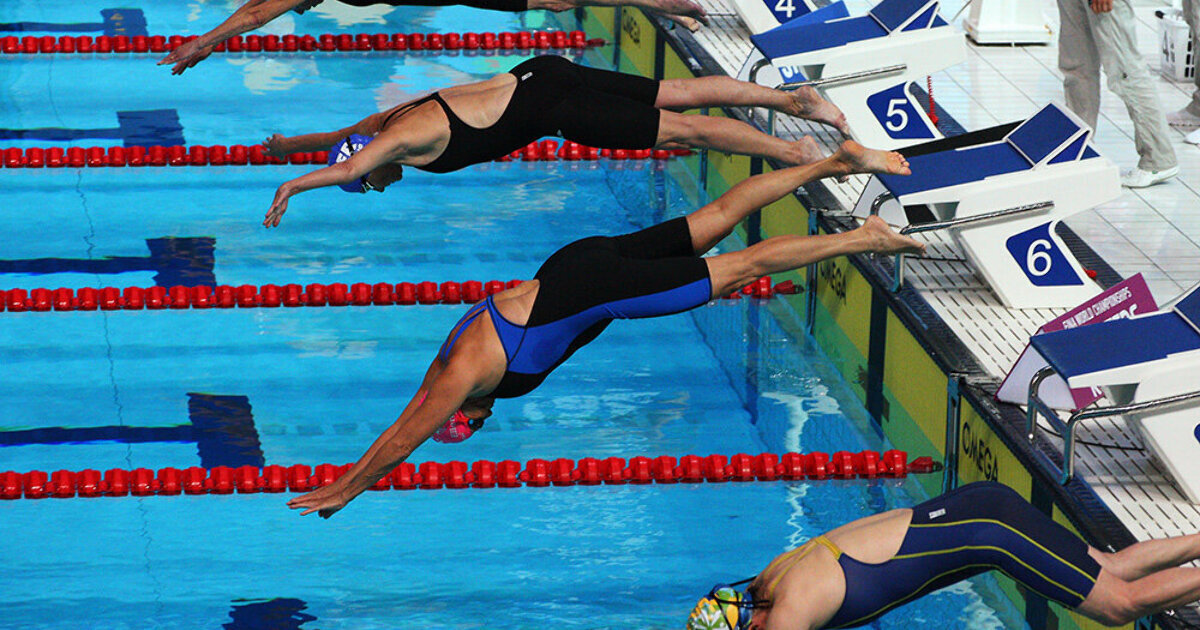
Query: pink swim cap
(456, 429)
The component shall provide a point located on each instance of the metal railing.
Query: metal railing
(1068, 429)
(898, 272)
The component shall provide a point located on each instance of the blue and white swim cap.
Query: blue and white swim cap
(342, 151)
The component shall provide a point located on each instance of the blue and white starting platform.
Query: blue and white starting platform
(1046, 158)
(864, 64)
(1145, 362)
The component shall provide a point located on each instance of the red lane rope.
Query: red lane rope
(288, 295)
(328, 42)
(239, 154)
(537, 473)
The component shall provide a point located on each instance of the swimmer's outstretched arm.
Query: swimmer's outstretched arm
(419, 421)
(254, 14)
(279, 145)
(375, 154)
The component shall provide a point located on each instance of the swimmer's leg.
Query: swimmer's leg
(685, 12)
(730, 272)
(714, 91)
(1150, 556)
(1114, 601)
(715, 221)
(732, 136)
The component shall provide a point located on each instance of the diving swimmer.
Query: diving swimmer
(258, 13)
(507, 345)
(546, 96)
(856, 573)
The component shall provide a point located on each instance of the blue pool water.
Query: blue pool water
(318, 384)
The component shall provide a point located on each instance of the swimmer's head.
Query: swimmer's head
(724, 608)
(378, 179)
(465, 422)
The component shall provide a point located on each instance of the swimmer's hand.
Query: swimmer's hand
(278, 207)
(274, 145)
(186, 55)
(324, 501)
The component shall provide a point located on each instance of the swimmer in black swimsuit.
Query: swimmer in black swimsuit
(257, 13)
(505, 346)
(548, 95)
(854, 574)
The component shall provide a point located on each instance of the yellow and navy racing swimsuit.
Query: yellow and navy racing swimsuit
(976, 528)
(586, 285)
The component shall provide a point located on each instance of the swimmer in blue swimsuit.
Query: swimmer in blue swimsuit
(858, 572)
(257, 13)
(547, 96)
(507, 345)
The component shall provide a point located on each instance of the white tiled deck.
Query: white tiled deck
(1154, 231)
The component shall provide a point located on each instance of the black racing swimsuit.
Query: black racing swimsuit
(554, 97)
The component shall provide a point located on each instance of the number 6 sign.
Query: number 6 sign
(1038, 255)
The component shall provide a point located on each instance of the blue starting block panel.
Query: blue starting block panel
(1188, 307)
(1051, 136)
(1116, 343)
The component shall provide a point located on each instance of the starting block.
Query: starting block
(864, 64)
(1001, 191)
(1149, 365)
(759, 16)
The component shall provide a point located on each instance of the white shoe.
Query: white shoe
(1183, 118)
(1193, 137)
(1137, 178)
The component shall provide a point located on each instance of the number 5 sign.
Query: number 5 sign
(898, 114)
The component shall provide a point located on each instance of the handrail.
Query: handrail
(1039, 407)
(898, 277)
(842, 78)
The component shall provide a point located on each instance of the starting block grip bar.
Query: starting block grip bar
(842, 78)
(1038, 407)
(1033, 208)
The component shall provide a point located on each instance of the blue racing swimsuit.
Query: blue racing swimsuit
(967, 531)
(586, 285)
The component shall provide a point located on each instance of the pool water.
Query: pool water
(312, 385)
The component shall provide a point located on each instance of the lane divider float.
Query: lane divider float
(288, 295)
(327, 42)
(536, 473)
(239, 154)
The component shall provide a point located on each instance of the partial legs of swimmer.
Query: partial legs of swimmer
(1141, 559)
(1114, 601)
(732, 271)
(729, 272)
(714, 221)
(684, 12)
(732, 136)
(806, 102)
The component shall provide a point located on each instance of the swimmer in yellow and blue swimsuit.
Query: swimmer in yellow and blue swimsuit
(858, 572)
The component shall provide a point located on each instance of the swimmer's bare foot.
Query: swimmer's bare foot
(880, 238)
(684, 21)
(805, 151)
(808, 104)
(852, 158)
(676, 9)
